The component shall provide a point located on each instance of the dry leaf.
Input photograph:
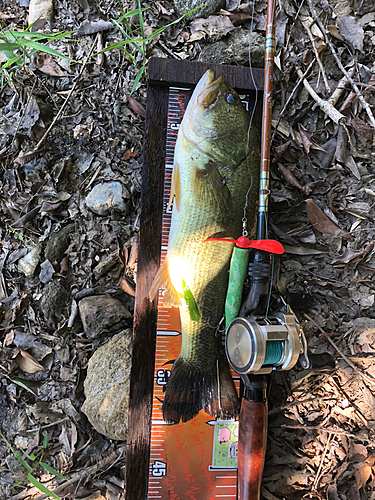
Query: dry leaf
(352, 31)
(27, 363)
(333, 30)
(46, 64)
(23, 159)
(129, 154)
(288, 176)
(362, 475)
(306, 138)
(136, 107)
(237, 18)
(40, 11)
(362, 129)
(126, 287)
(213, 25)
(46, 271)
(350, 254)
(342, 140)
(352, 166)
(321, 222)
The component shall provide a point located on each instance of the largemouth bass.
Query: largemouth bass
(215, 172)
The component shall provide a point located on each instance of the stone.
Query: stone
(29, 262)
(58, 243)
(209, 7)
(104, 198)
(107, 387)
(101, 313)
(235, 50)
(54, 299)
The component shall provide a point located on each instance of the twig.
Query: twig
(332, 112)
(339, 63)
(317, 477)
(336, 94)
(67, 97)
(365, 377)
(306, 25)
(291, 97)
(113, 457)
(355, 407)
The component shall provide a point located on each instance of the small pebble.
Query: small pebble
(104, 198)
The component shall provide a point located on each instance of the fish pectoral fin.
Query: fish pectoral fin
(171, 296)
(211, 187)
(175, 188)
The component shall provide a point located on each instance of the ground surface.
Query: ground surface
(321, 440)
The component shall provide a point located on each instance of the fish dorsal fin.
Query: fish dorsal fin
(171, 297)
(175, 188)
(211, 187)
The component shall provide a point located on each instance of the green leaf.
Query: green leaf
(22, 461)
(7, 46)
(45, 439)
(41, 48)
(41, 487)
(131, 13)
(16, 380)
(51, 470)
(137, 78)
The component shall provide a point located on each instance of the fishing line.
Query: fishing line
(244, 219)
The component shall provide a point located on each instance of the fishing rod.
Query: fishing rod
(258, 340)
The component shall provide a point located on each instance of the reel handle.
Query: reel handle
(252, 440)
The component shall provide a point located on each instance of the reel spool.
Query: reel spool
(258, 345)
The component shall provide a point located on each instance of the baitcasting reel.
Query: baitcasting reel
(257, 345)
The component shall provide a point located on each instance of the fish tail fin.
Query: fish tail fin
(171, 297)
(190, 390)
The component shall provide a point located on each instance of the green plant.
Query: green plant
(36, 460)
(139, 43)
(18, 46)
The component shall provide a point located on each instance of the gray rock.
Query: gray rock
(53, 301)
(235, 50)
(104, 198)
(107, 387)
(58, 243)
(101, 313)
(29, 262)
(209, 7)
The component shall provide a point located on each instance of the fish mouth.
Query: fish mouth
(210, 90)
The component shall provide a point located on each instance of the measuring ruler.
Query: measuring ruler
(195, 460)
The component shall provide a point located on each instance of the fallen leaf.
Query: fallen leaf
(237, 18)
(302, 250)
(362, 475)
(352, 166)
(350, 254)
(91, 27)
(46, 64)
(40, 11)
(342, 140)
(129, 154)
(213, 25)
(334, 31)
(126, 287)
(23, 159)
(306, 138)
(27, 363)
(352, 31)
(288, 176)
(136, 107)
(321, 222)
(348, 101)
(46, 271)
(362, 129)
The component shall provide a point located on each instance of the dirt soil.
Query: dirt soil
(61, 241)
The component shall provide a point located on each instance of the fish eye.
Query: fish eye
(229, 98)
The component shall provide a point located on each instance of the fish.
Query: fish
(215, 175)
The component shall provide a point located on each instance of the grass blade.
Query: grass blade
(41, 48)
(41, 487)
(52, 471)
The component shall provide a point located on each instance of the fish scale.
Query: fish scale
(210, 180)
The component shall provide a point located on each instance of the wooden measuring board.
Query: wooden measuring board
(197, 459)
